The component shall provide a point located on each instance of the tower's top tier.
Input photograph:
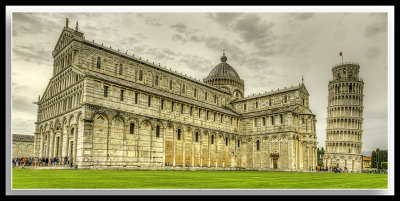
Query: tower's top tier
(348, 71)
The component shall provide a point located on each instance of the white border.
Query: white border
(388, 9)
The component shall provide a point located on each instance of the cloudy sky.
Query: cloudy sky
(269, 50)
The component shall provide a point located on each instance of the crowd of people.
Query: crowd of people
(42, 162)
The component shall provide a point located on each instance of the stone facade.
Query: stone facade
(345, 117)
(22, 145)
(108, 109)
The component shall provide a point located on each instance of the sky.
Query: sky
(269, 50)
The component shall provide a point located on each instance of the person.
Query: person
(65, 160)
(70, 162)
(47, 161)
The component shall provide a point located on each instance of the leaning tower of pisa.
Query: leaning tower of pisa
(344, 120)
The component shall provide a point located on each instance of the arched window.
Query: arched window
(226, 141)
(72, 131)
(179, 134)
(238, 143)
(258, 145)
(212, 139)
(140, 75)
(156, 80)
(131, 128)
(120, 69)
(158, 131)
(197, 137)
(98, 62)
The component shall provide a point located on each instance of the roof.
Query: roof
(367, 158)
(164, 69)
(223, 69)
(271, 111)
(160, 92)
(293, 88)
(23, 138)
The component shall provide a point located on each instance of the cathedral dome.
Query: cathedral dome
(223, 70)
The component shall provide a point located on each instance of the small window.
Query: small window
(199, 113)
(136, 98)
(172, 106)
(212, 139)
(197, 137)
(162, 104)
(272, 120)
(302, 120)
(98, 62)
(140, 75)
(256, 104)
(120, 69)
(255, 122)
(195, 92)
(179, 134)
(131, 128)
(191, 111)
(156, 80)
(226, 141)
(183, 88)
(258, 145)
(263, 119)
(238, 143)
(182, 109)
(207, 115)
(158, 131)
(270, 102)
(105, 91)
(122, 95)
(205, 95)
(149, 101)
(244, 107)
(170, 84)
(285, 99)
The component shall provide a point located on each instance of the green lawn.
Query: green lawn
(129, 179)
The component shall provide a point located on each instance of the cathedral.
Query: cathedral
(110, 110)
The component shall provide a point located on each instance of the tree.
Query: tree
(377, 157)
(320, 153)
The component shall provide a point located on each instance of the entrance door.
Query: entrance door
(275, 162)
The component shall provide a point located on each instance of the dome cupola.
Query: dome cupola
(225, 77)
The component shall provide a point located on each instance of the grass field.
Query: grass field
(128, 179)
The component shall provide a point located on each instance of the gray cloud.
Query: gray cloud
(372, 52)
(180, 27)
(224, 19)
(178, 37)
(302, 16)
(375, 28)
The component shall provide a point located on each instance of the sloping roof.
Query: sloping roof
(180, 75)
(271, 111)
(159, 92)
(268, 93)
(23, 138)
(368, 158)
